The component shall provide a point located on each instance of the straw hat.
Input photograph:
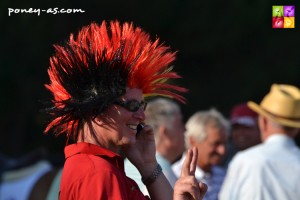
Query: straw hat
(281, 104)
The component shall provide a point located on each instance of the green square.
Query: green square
(277, 11)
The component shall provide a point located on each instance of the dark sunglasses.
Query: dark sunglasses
(132, 105)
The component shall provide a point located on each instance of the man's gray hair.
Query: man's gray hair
(161, 111)
(196, 126)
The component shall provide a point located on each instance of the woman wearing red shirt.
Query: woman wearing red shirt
(98, 80)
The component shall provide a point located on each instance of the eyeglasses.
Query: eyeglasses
(132, 105)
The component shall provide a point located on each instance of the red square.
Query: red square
(277, 22)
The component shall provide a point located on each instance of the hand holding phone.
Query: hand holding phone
(139, 128)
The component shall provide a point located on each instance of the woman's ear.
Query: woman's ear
(103, 120)
(97, 120)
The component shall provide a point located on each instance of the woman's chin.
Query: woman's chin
(129, 140)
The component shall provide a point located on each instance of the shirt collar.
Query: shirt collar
(92, 149)
(202, 175)
(87, 148)
(279, 138)
(162, 161)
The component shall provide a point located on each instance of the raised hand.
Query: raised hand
(142, 153)
(187, 187)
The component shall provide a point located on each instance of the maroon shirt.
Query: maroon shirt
(92, 172)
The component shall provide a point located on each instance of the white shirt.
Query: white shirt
(17, 184)
(268, 171)
(213, 180)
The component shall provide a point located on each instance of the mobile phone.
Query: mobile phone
(139, 128)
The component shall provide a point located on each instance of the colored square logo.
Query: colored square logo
(289, 11)
(277, 11)
(283, 16)
(289, 22)
(277, 22)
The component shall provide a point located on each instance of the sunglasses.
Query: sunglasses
(132, 105)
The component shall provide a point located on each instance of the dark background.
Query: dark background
(227, 53)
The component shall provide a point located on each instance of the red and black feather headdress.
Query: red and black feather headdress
(92, 70)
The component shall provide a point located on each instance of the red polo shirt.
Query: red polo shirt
(92, 172)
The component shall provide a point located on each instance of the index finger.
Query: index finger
(189, 164)
(193, 163)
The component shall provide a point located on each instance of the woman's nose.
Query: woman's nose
(140, 114)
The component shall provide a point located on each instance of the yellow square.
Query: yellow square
(289, 22)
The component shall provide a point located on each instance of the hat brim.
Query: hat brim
(283, 121)
(245, 121)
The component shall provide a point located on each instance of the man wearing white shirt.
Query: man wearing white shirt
(164, 115)
(271, 170)
(208, 131)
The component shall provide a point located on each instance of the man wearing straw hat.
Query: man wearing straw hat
(271, 170)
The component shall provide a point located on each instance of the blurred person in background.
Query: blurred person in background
(271, 170)
(244, 130)
(164, 115)
(27, 177)
(208, 131)
(98, 79)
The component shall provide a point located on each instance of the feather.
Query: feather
(90, 71)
